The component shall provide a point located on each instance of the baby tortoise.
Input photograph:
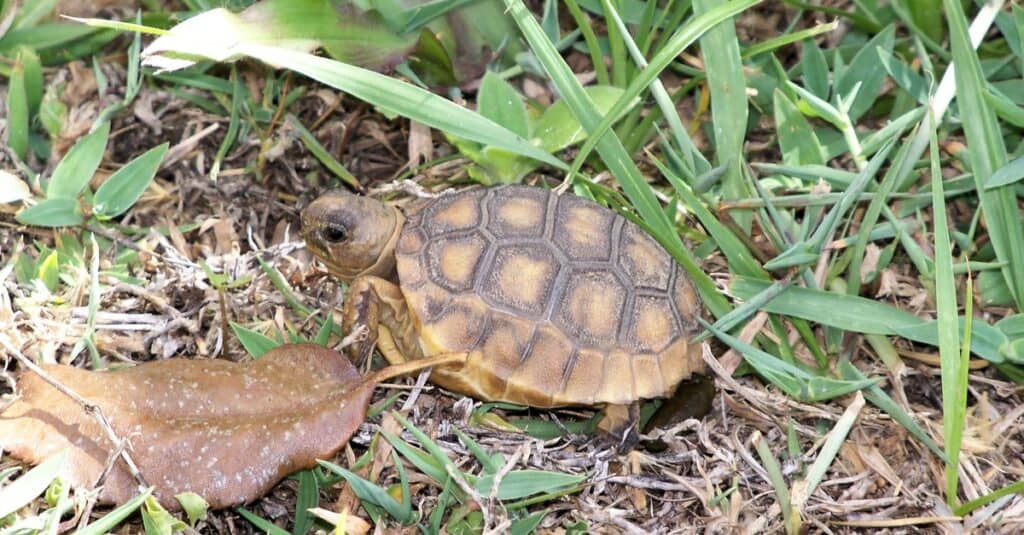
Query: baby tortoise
(554, 300)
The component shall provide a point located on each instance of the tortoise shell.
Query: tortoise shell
(557, 300)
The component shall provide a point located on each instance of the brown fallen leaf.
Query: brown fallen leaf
(224, 430)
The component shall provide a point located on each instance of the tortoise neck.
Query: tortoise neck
(384, 267)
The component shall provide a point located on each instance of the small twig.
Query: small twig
(94, 497)
(408, 187)
(90, 408)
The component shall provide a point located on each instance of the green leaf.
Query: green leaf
(17, 112)
(792, 379)
(369, 492)
(557, 128)
(987, 153)
(499, 102)
(29, 486)
(194, 505)
(56, 212)
(113, 518)
(49, 271)
(255, 343)
(527, 524)
(522, 483)
(307, 498)
(124, 187)
(77, 167)
(908, 80)
(727, 83)
(858, 314)
(815, 69)
(158, 521)
(33, 78)
(1007, 174)
(797, 140)
(863, 70)
(263, 524)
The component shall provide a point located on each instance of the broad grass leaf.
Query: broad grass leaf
(227, 431)
(815, 69)
(77, 167)
(27, 487)
(55, 212)
(796, 136)
(255, 343)
(858, 314)
(124, 187)
(1007, 174)
(863, 69)
(908, 80)
(17, 113)
(522, 483)
(558, 128)
(499, 102)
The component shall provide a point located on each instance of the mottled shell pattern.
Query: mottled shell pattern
(557, 300)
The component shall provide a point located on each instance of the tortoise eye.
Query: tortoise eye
(334, 233)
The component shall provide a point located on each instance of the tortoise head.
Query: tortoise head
(352, 235)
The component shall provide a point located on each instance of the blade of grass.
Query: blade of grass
(402, 98)
(778, 482)
(987, 151)
(661, 96)
(720, 49)
(680, 40)
(802, 489)
(949, 331)
(590, 38)
(17, 112)
(610, 147)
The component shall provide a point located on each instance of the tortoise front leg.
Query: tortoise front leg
(380, 306)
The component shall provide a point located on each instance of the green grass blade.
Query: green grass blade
(115, 517)
(680, 40)
(987, 152)
(321, 153)
(948, 325)
(17, 112)
(590, 38)
(77, 167)
(803, 489)
(721, 52)
(883, 401)
(120, 191)
(612, 152)
(776, 479)
(263, 524)
(402, 98)
(661, 95)
(27, 487)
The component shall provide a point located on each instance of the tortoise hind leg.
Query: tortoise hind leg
(620, 423)
(380, 306)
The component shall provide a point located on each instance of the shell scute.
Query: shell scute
(583, 230)
(591, 306)
(453, 261)
(517, 212)
(520, 278)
